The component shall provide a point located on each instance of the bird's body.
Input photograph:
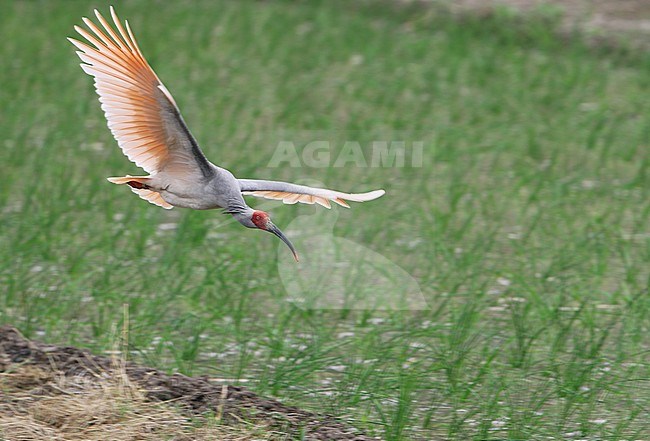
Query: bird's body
(149, 128)
(219, 189)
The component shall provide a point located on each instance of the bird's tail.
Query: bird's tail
(139, 185)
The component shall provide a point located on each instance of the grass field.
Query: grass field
(526, 227)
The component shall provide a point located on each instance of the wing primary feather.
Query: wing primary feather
(106, 55)
(135, 44)
(120, 29)
(81, 31)
(341, 202)
(94, 57)
(324, 202)
(108, 43)
(110, 30)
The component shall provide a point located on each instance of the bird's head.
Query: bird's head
(260, 219)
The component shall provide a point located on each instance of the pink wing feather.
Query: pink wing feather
(142, 115)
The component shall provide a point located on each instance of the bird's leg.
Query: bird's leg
(138, 185)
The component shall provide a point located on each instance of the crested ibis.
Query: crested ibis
(147, 124)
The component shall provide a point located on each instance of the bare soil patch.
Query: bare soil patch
(54, 392)
(619, 19)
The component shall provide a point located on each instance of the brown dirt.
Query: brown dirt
(194, 396)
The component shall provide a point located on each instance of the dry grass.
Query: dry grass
(39, 405)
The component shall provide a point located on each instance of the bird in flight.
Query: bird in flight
(147, 124)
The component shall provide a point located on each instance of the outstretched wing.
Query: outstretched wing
(141, 113)
(292, 193)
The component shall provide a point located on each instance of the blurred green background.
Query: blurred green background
(526, 227)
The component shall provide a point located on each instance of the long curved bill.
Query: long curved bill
(275, 230)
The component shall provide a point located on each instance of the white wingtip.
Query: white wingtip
(363, 197)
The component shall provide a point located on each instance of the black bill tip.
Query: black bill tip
(275, 230)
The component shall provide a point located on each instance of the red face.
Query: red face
(260, 219)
